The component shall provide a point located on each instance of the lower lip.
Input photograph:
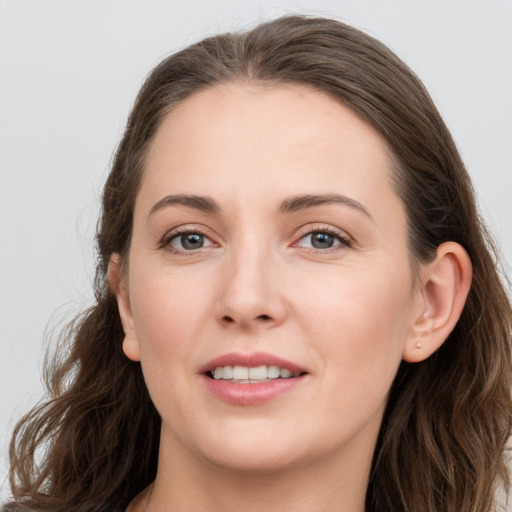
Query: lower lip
(251, 393)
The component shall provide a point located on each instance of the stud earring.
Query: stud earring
(418, 344)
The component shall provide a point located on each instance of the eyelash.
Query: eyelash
(166, 241)
(344, 240)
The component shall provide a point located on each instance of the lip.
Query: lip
(254, 393)
(250, 360)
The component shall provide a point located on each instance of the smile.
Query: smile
(253, 374)
(251, 379)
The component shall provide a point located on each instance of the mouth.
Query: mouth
(251, 379)
(252, 374)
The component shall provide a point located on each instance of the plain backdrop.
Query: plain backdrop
(69, 72)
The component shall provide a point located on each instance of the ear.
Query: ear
(119, 287)
(445, 284)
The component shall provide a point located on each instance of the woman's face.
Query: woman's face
(268, 242)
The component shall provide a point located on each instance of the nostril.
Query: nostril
(230, 320)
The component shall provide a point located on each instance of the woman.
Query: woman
(297, 306)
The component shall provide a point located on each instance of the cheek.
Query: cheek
(360, 322)
(166, 314)
(168, 310)
(173, 310)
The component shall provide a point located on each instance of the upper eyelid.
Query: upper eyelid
(309, 228)
(188, 228)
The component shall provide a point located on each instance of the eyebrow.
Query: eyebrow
(297, 203)
(202, 203)
(290, 205)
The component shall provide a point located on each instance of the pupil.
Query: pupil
(322, 240)
(192, 241)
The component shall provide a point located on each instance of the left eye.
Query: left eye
(189, 241)
(321, 240)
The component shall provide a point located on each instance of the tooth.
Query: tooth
(258, 373)
(273, 372)
(285, 373)
(240, 373)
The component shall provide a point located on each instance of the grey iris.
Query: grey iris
(322, 240)
(192, 241)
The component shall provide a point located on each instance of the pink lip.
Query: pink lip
(250, 360)
(250, 393)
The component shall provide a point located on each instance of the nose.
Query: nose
(251, 296)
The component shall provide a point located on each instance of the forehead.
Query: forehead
(260, 141)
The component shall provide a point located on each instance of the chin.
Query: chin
(253, 454)
(251, 462)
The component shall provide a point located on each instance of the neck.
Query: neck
(332, 484)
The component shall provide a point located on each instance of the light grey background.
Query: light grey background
(69, 71)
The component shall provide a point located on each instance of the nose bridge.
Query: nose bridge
(250, 293)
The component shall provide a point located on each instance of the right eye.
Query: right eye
(188, 241)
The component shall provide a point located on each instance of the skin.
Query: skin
(347, 314)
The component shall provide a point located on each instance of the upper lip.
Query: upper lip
(250, 360)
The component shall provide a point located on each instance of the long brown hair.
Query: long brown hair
(94, 444)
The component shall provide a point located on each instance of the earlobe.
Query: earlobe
(445, 284)
(118, 286)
